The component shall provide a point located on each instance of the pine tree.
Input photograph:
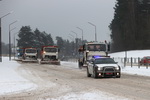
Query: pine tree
(38, 38)
(26, 37)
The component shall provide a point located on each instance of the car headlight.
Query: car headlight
(117, 68)
(100, 68)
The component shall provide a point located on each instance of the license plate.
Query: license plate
(109, 73)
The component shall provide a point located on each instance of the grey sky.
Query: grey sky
(59, 17)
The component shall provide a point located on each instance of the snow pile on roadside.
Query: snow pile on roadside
(134, 53)
(92, 95)
(10, 81)
(136, 71)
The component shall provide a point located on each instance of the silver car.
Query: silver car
(103, 67)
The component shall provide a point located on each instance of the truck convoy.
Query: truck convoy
(45, 55)
(90, 49)
(49, 55)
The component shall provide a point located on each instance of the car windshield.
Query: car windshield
(31, 51)
(104, 61)
(50, 50)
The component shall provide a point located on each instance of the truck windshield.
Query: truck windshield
(97, 47)
(50, 50)
(31, 51)
(20, 50)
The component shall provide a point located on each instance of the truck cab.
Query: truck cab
(49, 54)
(91, 49)
(30, 54)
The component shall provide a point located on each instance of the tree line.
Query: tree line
(130, 28)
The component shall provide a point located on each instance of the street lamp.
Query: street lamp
(95, 30)
(71, 37)
(14, 44)
(76, 39)
(10, 39)
(82, 33)
(75, 34)
(1, 36)
(74, 51)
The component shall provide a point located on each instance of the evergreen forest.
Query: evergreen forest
(130, 28)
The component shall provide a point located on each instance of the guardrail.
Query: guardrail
(131, 62)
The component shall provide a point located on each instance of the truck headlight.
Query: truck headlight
(44, 52)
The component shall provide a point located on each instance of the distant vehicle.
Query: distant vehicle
(30, 54)
(20, 53)
(145, 60)
(49, 55)
(102, 67)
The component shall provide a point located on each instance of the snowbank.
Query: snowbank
(10, 81)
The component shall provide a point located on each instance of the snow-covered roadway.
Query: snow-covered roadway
(51, 82)
(31, 81)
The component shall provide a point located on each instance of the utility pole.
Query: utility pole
(1, 35)
(82, 33)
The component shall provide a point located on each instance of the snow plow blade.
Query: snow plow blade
(18, 59)
(30, 61)
(50, 62)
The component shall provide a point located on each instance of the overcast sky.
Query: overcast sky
(59, 17)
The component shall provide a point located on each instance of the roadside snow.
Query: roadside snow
(10, 81)
(134, 53)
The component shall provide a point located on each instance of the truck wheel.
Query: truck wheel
(88, 74)
(79, 65)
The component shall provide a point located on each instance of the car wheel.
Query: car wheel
(94, 73)
(118, 76)
(88, 74)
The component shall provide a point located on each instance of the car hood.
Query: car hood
(107, 65)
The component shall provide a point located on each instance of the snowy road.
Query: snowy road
(66, 82)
